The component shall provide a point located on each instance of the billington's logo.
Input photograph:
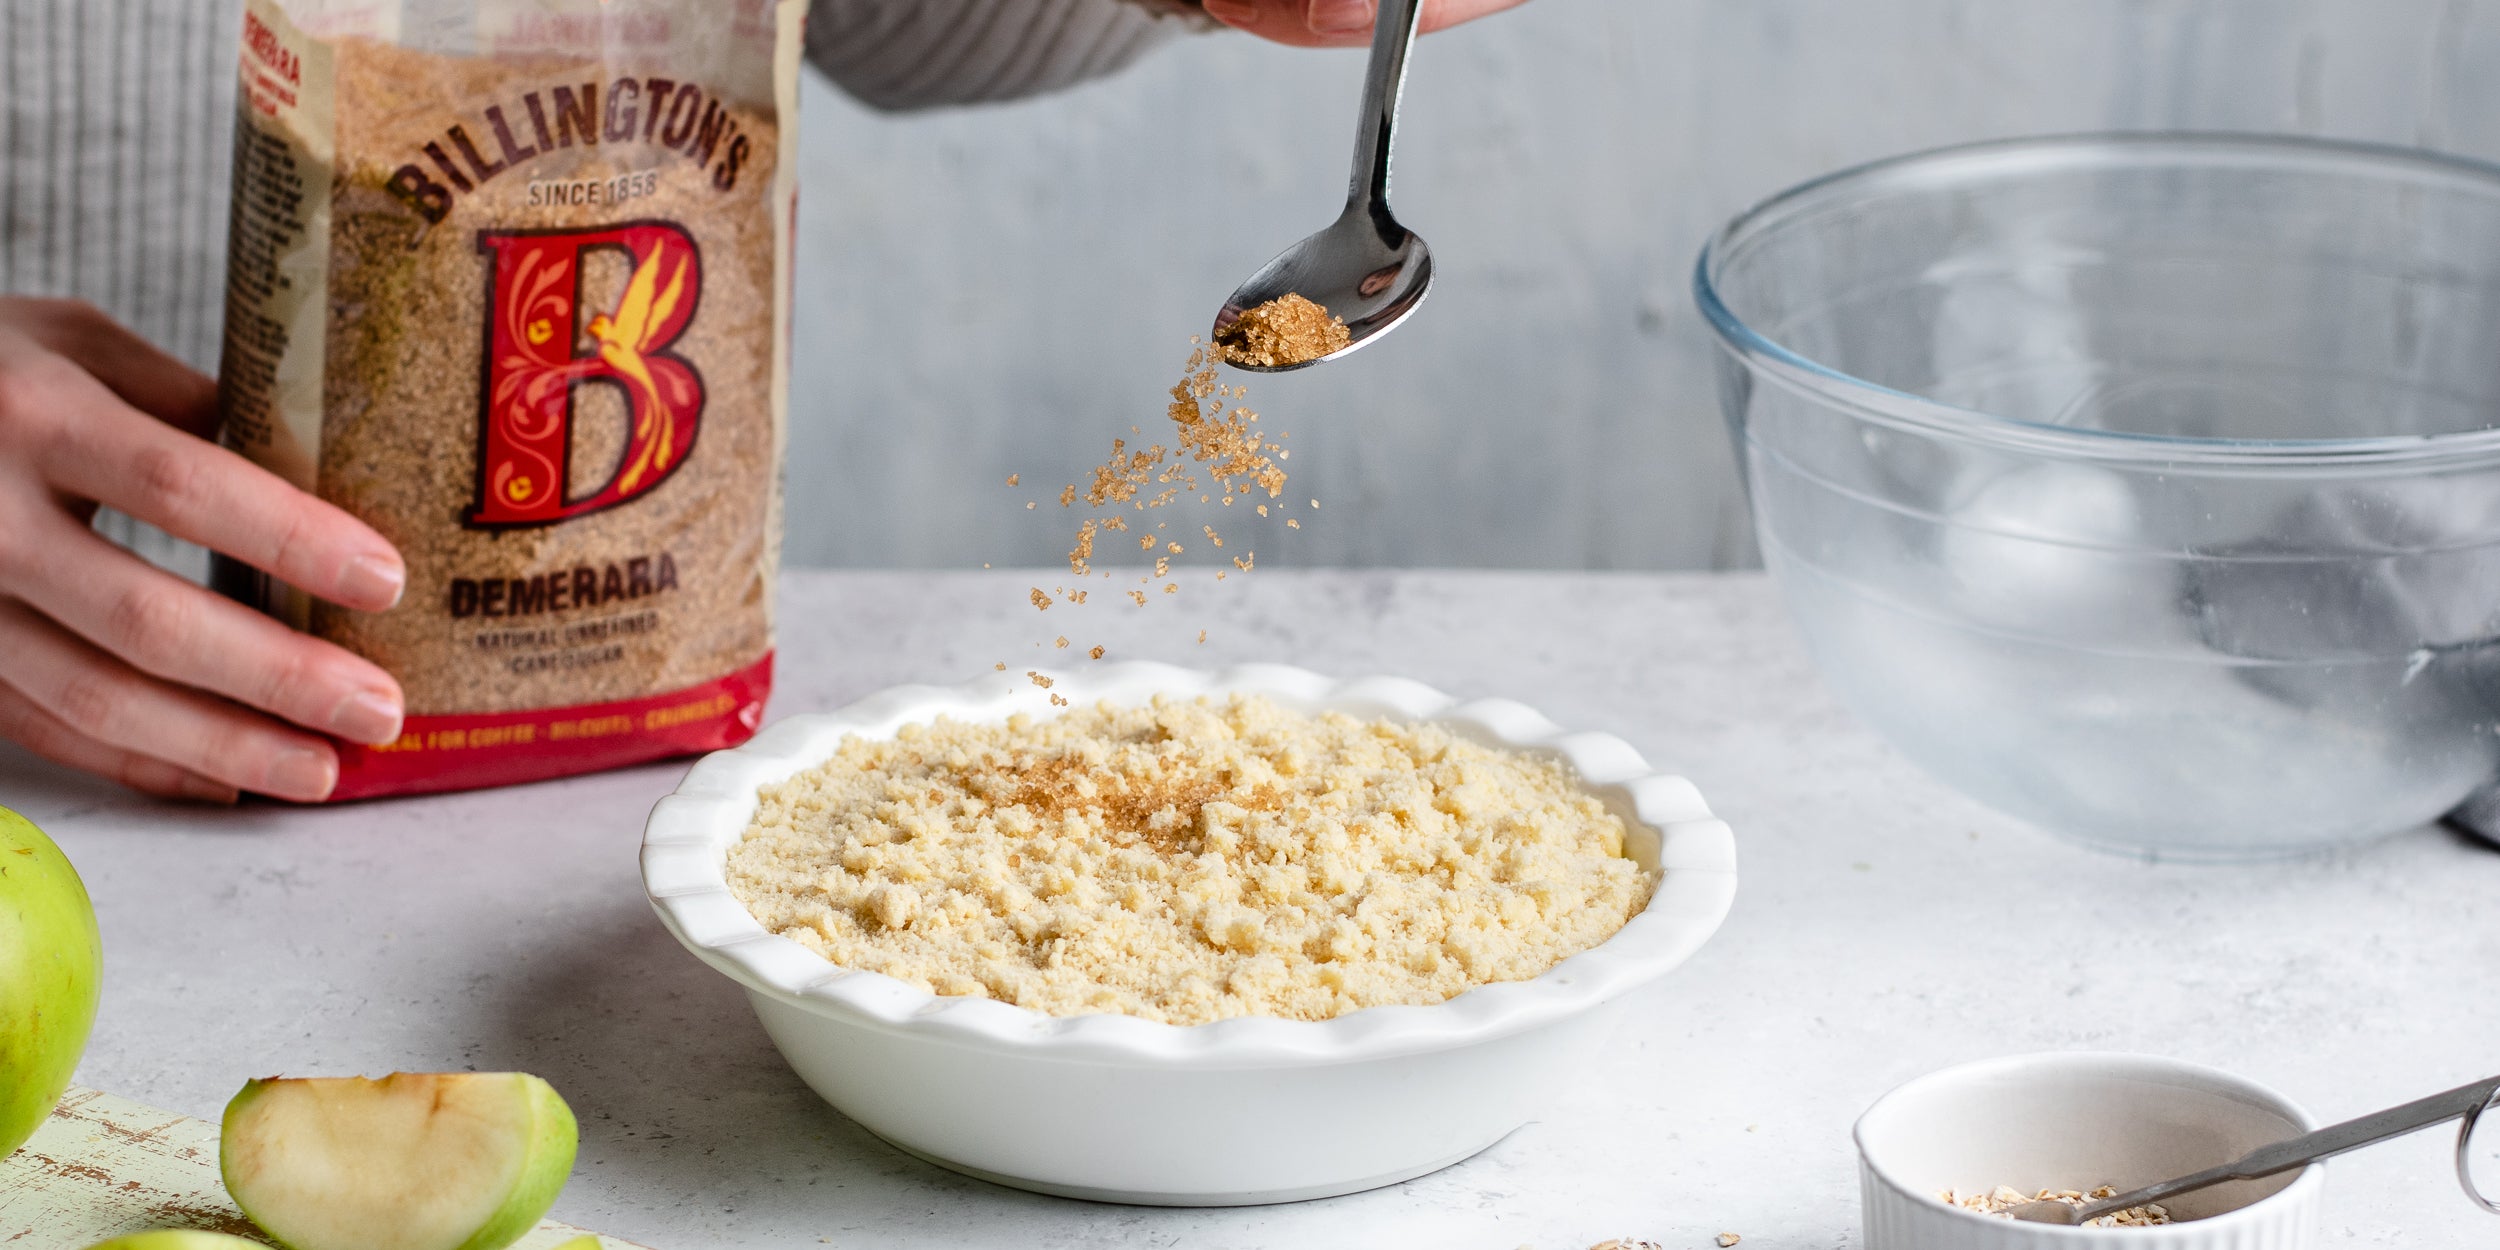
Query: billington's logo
(538, 353)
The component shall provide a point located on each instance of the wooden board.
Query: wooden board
(105, 1166)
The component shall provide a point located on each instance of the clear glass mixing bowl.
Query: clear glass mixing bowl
(2146, 487)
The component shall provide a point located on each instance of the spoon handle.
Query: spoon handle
(2368, 1130)
(1393, 32)
(2334, 1139)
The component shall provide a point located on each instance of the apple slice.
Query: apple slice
(414, 1161)
(177, 1239)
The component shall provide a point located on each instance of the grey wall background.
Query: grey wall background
(1002, 290)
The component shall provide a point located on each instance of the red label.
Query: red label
(538, 352)
(436, 753)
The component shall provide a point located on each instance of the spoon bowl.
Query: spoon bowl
(1365, 269)
(2048, 1211)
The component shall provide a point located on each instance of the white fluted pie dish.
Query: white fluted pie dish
(1119, 1108)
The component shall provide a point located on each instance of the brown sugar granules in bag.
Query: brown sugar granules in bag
(520, 304)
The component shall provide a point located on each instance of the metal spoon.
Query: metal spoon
(1366, 269)
(2466, 1101)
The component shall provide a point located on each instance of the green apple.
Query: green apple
(414, 1161)
(50, 966)
(177, 1239)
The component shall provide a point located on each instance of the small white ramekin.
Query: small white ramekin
(1123, 1109)
(2075, 1120)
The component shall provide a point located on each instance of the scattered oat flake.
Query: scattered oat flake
(1041, 601)
(1262, 509)
(1174, 548)
(1011, 478)
(1076, 596)
(1172, 589)
(1243, 560)
(1059, 700)
(1002, 666)
(1202, 637)
(1627, 1243)
(1029, 506)
(1212, 536)
(1039, 680)
(1729, 1239)
(1063, 642)
(1096, 653)
(1067, 494)
(1139, 596)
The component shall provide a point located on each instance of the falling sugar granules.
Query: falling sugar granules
(1217, 450)
(1217, 453)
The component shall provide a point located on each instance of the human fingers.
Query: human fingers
(1299, 23)
(1443, 14)
(131, 367)
(104, 699)
(98, 448)
(1336, 23)
(170, 628)
(39, 731)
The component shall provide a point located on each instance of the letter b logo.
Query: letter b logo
(536, 357)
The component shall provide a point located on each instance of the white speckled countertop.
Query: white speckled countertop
(1884, 927)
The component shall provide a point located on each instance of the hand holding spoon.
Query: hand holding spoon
(1366, 270)
(2466, 1101)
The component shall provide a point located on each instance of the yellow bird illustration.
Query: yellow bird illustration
(623, 340)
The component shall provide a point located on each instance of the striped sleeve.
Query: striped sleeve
(910, 54)
(114, 130)
(113, 142)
